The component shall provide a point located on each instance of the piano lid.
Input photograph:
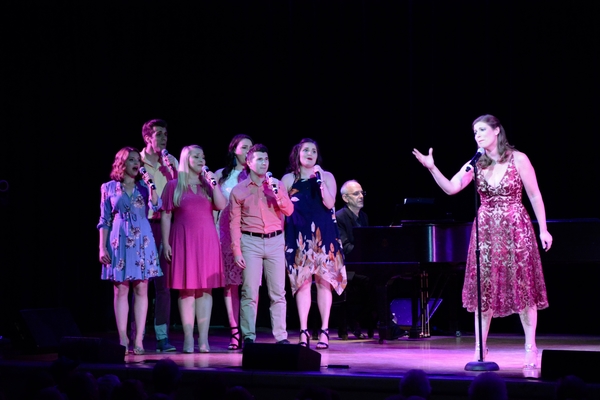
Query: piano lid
(574, 241)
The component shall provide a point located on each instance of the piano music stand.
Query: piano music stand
(479, 365)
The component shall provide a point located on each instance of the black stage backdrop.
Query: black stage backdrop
(369, 80)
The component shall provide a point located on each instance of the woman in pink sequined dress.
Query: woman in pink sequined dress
(512, 279)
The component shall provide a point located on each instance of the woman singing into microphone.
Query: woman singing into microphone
(191, 243)
(512, 280)
(312, 239)
(127, 249)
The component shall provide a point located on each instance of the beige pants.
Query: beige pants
(263, 255)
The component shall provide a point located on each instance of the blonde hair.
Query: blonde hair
(183, 176)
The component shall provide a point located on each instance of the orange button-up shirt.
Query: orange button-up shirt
(255, 208)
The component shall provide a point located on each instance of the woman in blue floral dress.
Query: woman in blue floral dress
(127, 248)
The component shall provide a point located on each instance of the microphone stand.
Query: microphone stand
(479, 365)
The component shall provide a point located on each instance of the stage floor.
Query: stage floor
(354, 368)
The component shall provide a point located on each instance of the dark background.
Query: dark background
(369, 80)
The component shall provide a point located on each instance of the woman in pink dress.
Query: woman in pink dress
(512, 280)
(191, 243)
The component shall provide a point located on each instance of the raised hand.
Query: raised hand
(426, 160)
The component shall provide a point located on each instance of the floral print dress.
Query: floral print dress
(130, 243)
(312, 239)
(511, 269)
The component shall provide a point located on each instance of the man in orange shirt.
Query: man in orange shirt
(258, 206)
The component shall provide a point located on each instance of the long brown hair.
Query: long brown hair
(231, 157)
(294, 166)
(505, 149)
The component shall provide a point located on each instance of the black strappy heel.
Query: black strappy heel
(323, 345)
(235, 339)
(305, 333)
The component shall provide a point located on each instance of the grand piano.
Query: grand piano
(411, 249)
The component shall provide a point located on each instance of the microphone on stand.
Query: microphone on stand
(476, 157)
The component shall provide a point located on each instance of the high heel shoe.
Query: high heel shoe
(138, 351)
(477, 350)
(323, 345)
(302, 342)
(235, 343)
(531, 353)
(126, 345)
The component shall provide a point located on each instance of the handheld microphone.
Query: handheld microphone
(165, 155)
(205, 171)
(476, 157)
(318, 176)
(149, 182)
(273, 185)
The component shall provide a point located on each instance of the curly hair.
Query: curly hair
(118, 167)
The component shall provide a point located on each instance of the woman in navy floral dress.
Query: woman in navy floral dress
(127, 248)
(312, 239)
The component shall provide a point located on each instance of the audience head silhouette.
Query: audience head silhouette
(571, 387)
(415, 383)
(165, 376)
(488, 386)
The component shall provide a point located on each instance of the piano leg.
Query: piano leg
(425, 305)
(387, 329)
(420, 307)
(383, 310)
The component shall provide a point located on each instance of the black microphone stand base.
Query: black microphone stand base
(481, 366)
